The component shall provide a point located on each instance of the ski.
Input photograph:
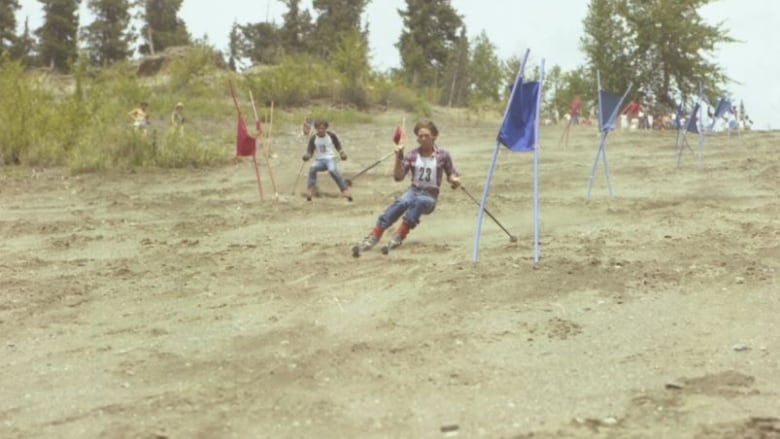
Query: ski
(390, 245)
(357, 249)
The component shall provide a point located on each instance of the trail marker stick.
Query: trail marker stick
(298, 177)
(265, 146)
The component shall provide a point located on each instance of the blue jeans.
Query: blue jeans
(414, 202)
(329, 165)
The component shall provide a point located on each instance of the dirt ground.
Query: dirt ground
(175, 304)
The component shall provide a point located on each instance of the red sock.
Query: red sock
(402, 230)
(376, 231)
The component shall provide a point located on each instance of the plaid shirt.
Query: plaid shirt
(444, 165)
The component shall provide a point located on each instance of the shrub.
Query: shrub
(180, 151)
(21, 99)
(193, 71)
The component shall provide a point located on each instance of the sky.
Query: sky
(551, 29)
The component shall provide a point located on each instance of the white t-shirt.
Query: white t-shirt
(324, 148)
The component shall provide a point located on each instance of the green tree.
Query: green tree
(297, 28)
(58, 35)
(430, 32)
(457, 77)
(552, 88)
(233, 54)
(259, 42)
(486, 80)
(109, 36)
(576, 82)
(162, 26)
(24, 47)
(8, 38)
(350, 58)
(663, 47)
(335, 20)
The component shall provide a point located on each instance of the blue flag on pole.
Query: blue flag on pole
(722, 108)
(610, 104)
(693, 122)
(518, 128)
(677, 115)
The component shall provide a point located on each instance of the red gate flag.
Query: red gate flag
(246, 145)
(397, 135)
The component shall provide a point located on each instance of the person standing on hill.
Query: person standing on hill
(177, 118)
(428, 164)
(323, 146)
(141, 117)
(574, 110)
(632, 110)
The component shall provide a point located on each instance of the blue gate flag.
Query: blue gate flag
(518, 128)
(693, 122)
(677, 114)
(610, 104)
(722, 108)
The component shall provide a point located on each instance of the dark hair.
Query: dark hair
(426, 123)
(321, 123)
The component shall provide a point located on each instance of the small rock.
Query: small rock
(452, 428)
(609, 420)
(739, 347)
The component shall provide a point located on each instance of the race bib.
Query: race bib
(425, 174)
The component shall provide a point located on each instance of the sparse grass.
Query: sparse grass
(81, 122)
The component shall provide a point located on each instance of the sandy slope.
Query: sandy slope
(175, 304)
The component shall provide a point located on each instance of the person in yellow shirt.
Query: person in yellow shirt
(141, 117)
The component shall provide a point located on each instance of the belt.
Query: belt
(429, 190)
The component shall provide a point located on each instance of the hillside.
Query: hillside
(174, 304)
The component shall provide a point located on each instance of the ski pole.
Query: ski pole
(512, 238)
(349, 180)
(298, 177)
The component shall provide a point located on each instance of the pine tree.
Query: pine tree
(260, 42)
(297, 28)
(430, 32)
(24, 47)
(457, 77)
(8, 38)
(162, 26)
(350, 58)
(233, 54)
(485, 69)
(663, 47)
(58, 36)
(109, 36)
(336, 19)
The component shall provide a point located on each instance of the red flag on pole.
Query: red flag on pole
(397, 135)
(246, 145)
